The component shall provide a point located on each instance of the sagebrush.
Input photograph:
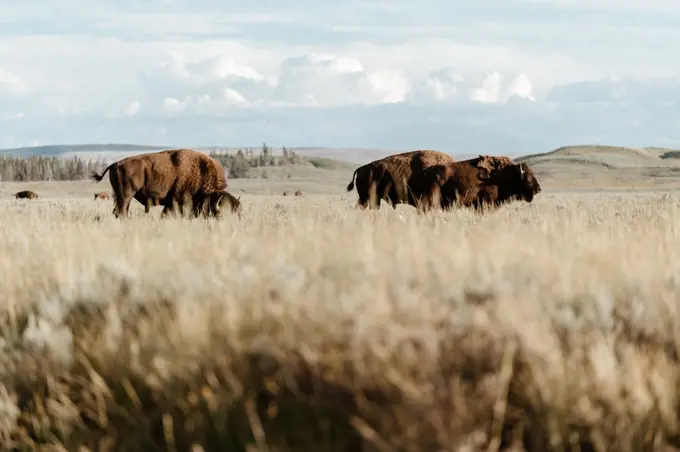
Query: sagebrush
(308, 325)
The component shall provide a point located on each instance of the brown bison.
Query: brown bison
(169, 177)
(473, 183)
(387, 178)
(513, 182)
(214, 202)
(26, 194)
(298, 193)
(441, 185)
(101, 195)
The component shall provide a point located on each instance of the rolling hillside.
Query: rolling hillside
(610, 166)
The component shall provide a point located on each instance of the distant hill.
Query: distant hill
(607, 166)
(611, 157)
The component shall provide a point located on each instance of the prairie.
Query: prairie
(309, 325)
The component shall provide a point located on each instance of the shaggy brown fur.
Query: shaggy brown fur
(26, 194)
(101, 195)
(165, 178)
(387, 178)
(441, 185)
(471, 183)
(492, 163)
(512, 182)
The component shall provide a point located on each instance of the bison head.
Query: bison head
(525, 183)
(233, 202)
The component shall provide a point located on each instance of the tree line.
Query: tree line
(43, 168)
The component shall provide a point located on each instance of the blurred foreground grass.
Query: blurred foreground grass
(310, 326)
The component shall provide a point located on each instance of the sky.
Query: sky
(491, 76)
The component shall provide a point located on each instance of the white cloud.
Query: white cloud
(132, 109)
(449, 85)
(172, 104)
(331, 80)
(11, 83)
(494, 89)
(232, 97)
(180, 70)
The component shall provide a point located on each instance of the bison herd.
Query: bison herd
(184, 180)
(429, 179)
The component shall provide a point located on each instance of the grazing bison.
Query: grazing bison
(298, 193)
(513, 182)
(387, 178)
(26, 194)
(215, 202)
(101, 195)
(471, 183)
(163, 178)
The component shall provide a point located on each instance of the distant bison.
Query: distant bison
(387, 178)
(285, 193)
(471, 183)
(101, 195)
(26, 194)
(215, 203)
(174, 176)
(298, 193)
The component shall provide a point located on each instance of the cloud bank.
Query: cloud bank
(509, 77)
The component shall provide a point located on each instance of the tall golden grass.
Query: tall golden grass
(309, 325)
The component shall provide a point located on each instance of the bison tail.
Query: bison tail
(350, 187)
(96, 177)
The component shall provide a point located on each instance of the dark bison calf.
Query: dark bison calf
(387, 178)
(175, 176)
(26, 194)
(215, 203)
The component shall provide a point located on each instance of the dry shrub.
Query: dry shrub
(533, 327)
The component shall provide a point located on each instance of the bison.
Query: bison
(26, 194)
(214, 202)
(441, 185)
(298, 193)
(101, 195)
(473, 183)
(513, 182)
(387, 178)
(165, 178)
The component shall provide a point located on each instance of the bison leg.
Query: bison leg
(373, 196)
(122, 191)
(468, 198)
(144, 200)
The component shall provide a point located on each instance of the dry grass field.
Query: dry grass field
(306, 325)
